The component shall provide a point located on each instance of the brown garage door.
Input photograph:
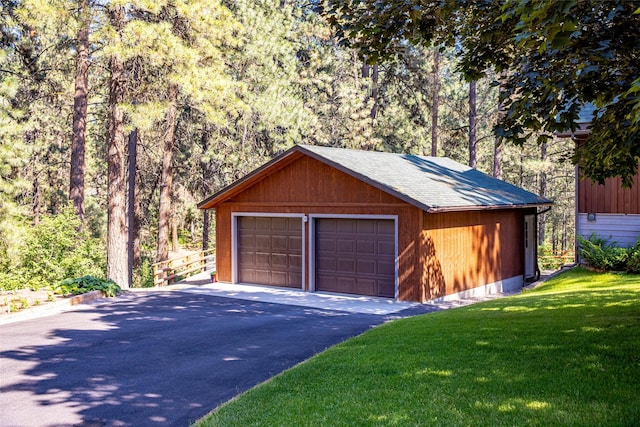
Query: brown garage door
(270, 251)
(355, 256)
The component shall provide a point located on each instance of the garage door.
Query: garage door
(355, 256)
(270, 251)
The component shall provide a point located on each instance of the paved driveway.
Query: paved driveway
(157, 359)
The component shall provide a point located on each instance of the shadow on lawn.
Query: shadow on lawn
(159, 360)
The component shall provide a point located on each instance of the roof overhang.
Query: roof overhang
(296, 152)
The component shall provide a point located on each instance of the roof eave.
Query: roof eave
(437, 209)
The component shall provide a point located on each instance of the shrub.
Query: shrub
(633, 263)
(86, 284)
(55, 250)
(602, 255)
(144, 276)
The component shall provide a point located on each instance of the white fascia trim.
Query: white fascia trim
(234, 239)
(506, 285)
(312, 243)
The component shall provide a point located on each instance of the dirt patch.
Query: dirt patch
(24, 299)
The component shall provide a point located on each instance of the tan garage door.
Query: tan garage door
(355, 256)
(270, 251)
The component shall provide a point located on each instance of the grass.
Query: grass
(566, 353)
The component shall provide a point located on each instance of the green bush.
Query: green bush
(144, 276)
(603, 255)
(633, 263)
(51, 251)
(85, 284)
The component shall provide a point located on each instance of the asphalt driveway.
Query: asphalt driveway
(157, 359)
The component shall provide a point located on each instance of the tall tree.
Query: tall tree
(473, 140)
(166, 180)
(435, 102)
(78, 143)
(133, 206)
(117, 264)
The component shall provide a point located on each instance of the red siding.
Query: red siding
(610, 197)
(464, 250)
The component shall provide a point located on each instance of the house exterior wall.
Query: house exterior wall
(462, 251)
(609, 198)
(309, 187)
(609, 211)
(622, 229)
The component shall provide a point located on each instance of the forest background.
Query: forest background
(117, 117)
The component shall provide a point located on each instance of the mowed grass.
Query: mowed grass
(566, 353)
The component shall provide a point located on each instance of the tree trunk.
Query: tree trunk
(543, 193)
(497, 144)
(205, 230)
(133, 206)
(174, 235)
(206, 187)
(497, 158)
(116, 197)
(472, 124)
(374, 91)
(436, 103)
(164, 210)
(78, 142)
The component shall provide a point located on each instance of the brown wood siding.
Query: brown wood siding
(464, 250)
(609, 198)
(308, 182)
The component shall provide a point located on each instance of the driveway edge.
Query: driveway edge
(52, 307)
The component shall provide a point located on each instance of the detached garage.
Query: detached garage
(389, 225)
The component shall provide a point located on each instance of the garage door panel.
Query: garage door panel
(346, 266)
(366, 286)
(348, 246)
(386, 268)
(279, 243)
(367, 247)
(295, 243)
(385, 227)
(262, 224)
(270, 250)
(295, 261)
(386, 247)
(280, 261)
(367, 267)
(355, 256)
(327, 245)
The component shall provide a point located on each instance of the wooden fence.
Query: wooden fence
(166, 272)
(555, 261)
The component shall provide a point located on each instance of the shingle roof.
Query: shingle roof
(434, 184)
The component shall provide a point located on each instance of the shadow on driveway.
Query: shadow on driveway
(158, 359)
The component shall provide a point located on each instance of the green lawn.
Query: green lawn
(566, 353)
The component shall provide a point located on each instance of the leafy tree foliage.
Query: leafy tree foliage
(558, 58)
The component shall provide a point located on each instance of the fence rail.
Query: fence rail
(554, 261)
(166, 272)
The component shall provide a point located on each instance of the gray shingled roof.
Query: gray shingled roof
(431, 183)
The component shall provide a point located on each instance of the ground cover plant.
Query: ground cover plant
(566, 353)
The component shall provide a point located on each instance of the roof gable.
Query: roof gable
(434, 184)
